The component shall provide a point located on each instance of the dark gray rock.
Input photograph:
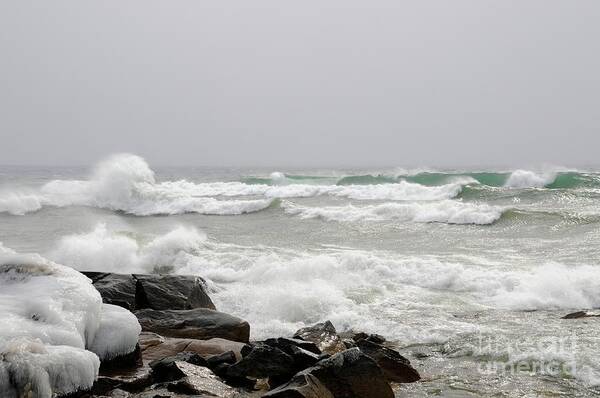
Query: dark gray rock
(395, 367)
(323, 335)
(263, 361)
(199, 323)
(580, 314)
(159, 292)
(117, 289)
(284, 344)
(302, 358)
(171, 292)
(351, 374)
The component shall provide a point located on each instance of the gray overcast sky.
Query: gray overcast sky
(315, 83)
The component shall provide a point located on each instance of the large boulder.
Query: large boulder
(171, 292)
(348, 374)
(199, 323)
(323, 335)
(395, 367)
(158, 292)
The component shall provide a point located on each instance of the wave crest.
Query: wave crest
(529, 179)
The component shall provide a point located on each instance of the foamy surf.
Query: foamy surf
(279, 289)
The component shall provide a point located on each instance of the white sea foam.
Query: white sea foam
(529, 179)
(52, 321)
(448, 211)
(279, 291)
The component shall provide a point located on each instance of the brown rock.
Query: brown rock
(199, 323)
(153, 348)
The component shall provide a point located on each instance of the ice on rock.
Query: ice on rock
(117, 334)
(54, 328)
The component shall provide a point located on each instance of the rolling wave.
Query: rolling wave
(519, 179)
(448, 212)
(126, 183)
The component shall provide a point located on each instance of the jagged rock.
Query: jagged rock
(323, 335)
(395, 367)
(303, 385)
(580, 314)
(117, 289)
(302, 358)
(263, 361)
(303, 353)
(171, 292)
(349, 374)
(199, 323)
(284, 344)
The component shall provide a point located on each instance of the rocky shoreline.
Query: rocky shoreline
(188, 348)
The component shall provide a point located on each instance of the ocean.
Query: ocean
(467, 272)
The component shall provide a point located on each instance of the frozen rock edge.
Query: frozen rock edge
(55, 329)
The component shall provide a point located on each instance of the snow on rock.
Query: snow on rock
(54, 327)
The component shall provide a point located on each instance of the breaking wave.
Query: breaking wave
(450, 212)
(529, 179)
(126, 183)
